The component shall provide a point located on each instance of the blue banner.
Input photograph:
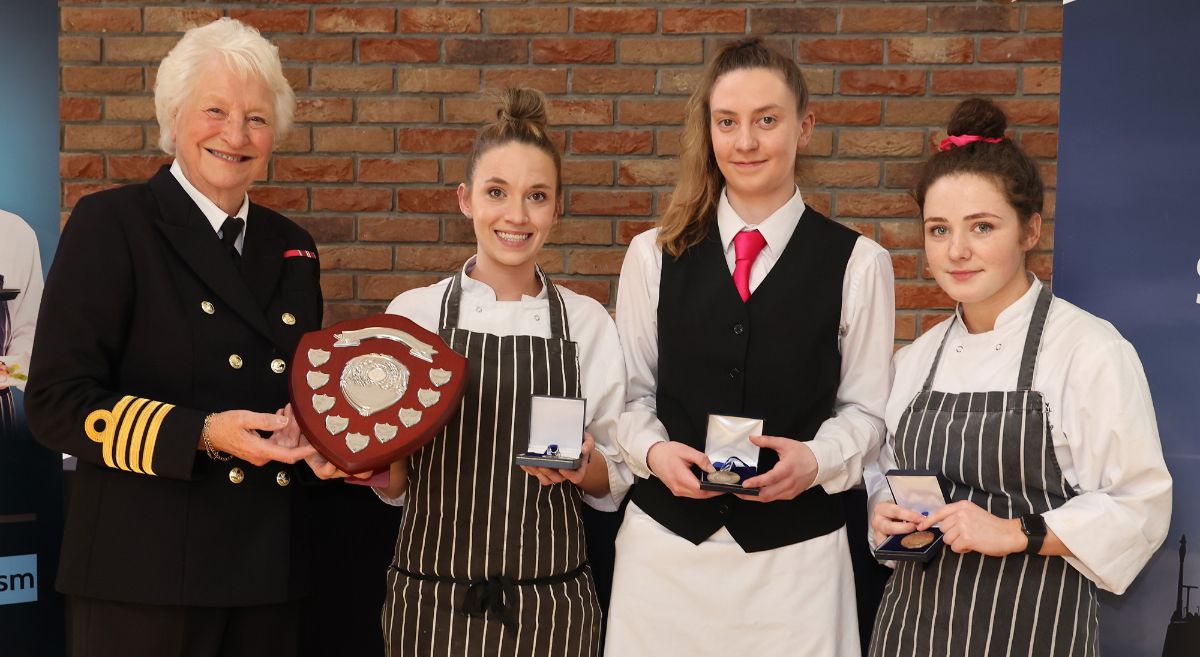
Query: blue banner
(1126, 247)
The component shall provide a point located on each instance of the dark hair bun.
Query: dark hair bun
(977, 116)
(524, 109)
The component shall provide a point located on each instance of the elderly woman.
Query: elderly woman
(169, 316)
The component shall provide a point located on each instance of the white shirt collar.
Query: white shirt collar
(777, 229)
(1017, 312)
(474, 287)
(215, 215)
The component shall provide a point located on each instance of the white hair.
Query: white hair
(243, 50)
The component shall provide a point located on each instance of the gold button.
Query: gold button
(235, 361)
(207, 307)
(236, 475)
(278, 366)
(282, 478)
(289, 319)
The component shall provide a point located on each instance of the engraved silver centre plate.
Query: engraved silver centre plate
(373, 382)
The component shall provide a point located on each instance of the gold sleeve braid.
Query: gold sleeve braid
(128, 432)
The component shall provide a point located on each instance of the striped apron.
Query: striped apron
(995, 450)
(488, 561)
(8, 411)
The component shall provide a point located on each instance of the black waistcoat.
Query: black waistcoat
(774, 357)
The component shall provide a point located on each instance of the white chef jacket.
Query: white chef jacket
(21, 265)
(867, 329)
(601, 369)
(1102, 423)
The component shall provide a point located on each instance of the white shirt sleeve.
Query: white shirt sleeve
(602, 372)
(637, 323)
(22, 269)
(845, 441)
(1123, 511)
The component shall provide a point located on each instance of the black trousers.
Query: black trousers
(103, 628)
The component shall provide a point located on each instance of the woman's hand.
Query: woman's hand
(967, 527)
(671, 462)
(792, 475)
(236, 433)
(889, 519)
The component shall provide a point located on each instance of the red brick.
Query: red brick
(847, 112)
(820, 173)
(579, 112)
(931, 50)
(1000, 81)
(640, 21)
(661, 51)
(349, 139)
(1030, 112)
(648, 172)
(587, 172)
(820, 144)
(273, 20)
(397, 50)
(438, 79)
(1049, 171)
(1020, 49)
(340, 312)
(901, 175)
(911, 296)
(683, 81)
(388, 286)
(617, 142)
(337, 286)
(918, 112)
(596, 289)
(101, 78)
(129, 108)
(890, 82)
(138, 49)
(884, 20)
(72, 192)
(906, 324)
(311, 109)
(513, 20)
(595, 261)
(312, 169)
(905, 265)
(356, 257)
(297, 140)
(458, 230)
(432, 258)
(352, 199)
(435, 140)
(589, 80)
(627, 230)
(930, 320)
(703, 21)
(881, 143)
(486, 51)
(80, 165)
(976, 19)
(468, 110)
(77, 108)
(651, 112)
(793, 20)
(1040, 144)
(135, 167)
(573, 51)
(357, 20)
(177, 19)
(427, 199)
(845, 51)
(397, 170)
(397, 110)
(438, 19)
(107, 19)
(78, 49)
(282, 199)
(315, 49)
(327, 228)
(668, 141)
(1044, 18)
(622, 203)
(102, 137)
(907, 234)
(581, 231)
(1041, 80)
(399, 229)
(352, 78)
(296, 76)
(547, 79)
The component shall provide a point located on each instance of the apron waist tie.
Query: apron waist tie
(495, 594)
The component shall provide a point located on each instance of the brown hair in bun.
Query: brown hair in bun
(520, 118)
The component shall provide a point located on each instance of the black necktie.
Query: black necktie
(229, 234)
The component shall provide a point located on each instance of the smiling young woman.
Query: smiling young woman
(1036, 412)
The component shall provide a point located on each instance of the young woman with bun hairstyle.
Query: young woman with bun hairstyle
(1036, 413)
(490, 558)
(744, 301)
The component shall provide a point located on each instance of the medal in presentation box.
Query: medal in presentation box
(923, 491)
(727, 444)
(555, 433)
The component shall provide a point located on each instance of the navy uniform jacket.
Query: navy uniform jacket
(146, 327)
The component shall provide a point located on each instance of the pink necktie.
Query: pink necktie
(746, 247)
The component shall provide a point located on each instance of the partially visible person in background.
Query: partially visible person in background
(20, 295)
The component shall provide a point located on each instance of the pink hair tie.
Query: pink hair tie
(963, 140)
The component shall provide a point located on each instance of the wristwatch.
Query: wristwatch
(1034, 527)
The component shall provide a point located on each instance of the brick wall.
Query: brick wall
(390, 93)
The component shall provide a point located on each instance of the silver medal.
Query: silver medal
(724, 477)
